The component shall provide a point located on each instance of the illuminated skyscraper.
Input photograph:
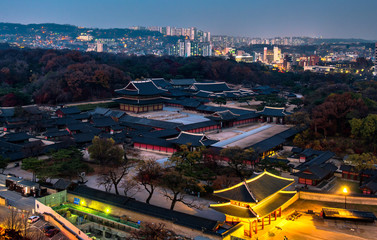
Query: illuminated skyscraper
(265, 54)
(187, 48)
(181, 48)
(99, 46)
(277, 55)
(206, 49)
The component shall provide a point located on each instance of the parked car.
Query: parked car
(47, 228)
(51, 232)
(33, 219)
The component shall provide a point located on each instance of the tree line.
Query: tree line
(60, 76)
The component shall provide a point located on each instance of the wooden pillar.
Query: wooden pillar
(262, 223)
(250, 229)
(275, 214)
(256, 226)
(269, 219)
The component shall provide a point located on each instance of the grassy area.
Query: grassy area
(68, 206)
(89, 106)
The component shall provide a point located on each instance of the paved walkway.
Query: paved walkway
(241, 136)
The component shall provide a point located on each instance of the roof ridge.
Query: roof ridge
(251, 194)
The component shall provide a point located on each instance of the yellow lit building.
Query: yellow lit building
(254, 203)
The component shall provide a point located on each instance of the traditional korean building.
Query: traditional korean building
(313, 175)
(195, 140)
(141, 96)
(273, 115)
(254, 203)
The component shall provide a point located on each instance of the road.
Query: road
(15, 199)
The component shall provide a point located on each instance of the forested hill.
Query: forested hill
(60, 76)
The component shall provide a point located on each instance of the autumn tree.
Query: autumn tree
(239, 160)
(189, 161)
(148, 174)
(111, 159)
(300, 119)
(332, 116)
(174, 186)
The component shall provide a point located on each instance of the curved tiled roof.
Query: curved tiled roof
(255, 189)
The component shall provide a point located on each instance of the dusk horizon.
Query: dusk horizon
(329, 19)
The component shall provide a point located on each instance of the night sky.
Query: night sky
(252, 18)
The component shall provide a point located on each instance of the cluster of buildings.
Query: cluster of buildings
(375, 59)
(249, 206)
(187, 48)
(191, 33)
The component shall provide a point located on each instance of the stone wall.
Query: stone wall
(325, 197)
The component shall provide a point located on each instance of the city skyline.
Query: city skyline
(335, 19)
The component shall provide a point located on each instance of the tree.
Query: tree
(68, 163)
(153, 231)
(111, 158)
(148, 174)
(35, 165)
(365, 129)
(15, 224)
(174, 186)
(128, 186)
(220, 101)
(191, 163)
(332, 115)
(300, 119)
(105, 152)
(113, 176)
(362, 162)
(3, 163)
(239, 160)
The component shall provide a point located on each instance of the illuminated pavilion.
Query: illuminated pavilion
(254, 200)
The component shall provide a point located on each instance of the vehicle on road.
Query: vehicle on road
(51, 232)
(47, 228)
(33, 219)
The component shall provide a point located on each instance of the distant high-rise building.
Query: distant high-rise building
(277, 53)
(207, 49)
(181, 48)
(99, 46)
(192, 33)
(187, 48)
(265, 54)
(168, 31)
(195, 49)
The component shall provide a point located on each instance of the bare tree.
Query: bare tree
(103, 180)
(153, 231)
(174, 186)
(148, 174)
(130, 187)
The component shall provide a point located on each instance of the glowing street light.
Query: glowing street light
(345, 192)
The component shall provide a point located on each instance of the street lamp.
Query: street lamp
(345, 192)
